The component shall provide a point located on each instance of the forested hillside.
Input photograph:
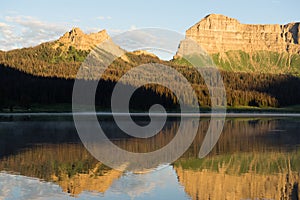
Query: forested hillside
(43, 75)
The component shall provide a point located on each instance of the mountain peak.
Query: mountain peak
(218, 17)
(217, 20)
(218, 33)
(81, 41)
(76, 30)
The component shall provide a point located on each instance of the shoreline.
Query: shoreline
(135, 114)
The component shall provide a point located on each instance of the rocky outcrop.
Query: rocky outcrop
(218, 33)
(81, 41)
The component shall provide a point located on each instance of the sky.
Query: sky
(25, 23)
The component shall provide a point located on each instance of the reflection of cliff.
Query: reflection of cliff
(271, 175)
(91, 181)
(69, 165)
(253, 159)
(214, 185)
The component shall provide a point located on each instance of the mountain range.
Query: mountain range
(247, 47)
(260, 65)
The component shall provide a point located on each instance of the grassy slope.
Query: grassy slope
(259, 62)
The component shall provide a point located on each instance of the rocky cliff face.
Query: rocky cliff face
(80, 40)
(218, 33)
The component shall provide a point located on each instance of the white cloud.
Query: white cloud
(6, 31)
(104, 17)
(92, 30)
(132, 27)
(24, 31)
(100, 17)
(76, 20)
(114, 32)
(139, 186)
(3, 24)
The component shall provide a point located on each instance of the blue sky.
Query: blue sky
(29, 22)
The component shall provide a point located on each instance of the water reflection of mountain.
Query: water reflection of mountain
(69, 165)
(206, 184)
(255, 155)
(250, 175)
(254, 159)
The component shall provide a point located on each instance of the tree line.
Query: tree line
(43, 75)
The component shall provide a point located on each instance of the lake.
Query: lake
(257, 157)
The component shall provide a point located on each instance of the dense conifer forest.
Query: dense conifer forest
(43, 75)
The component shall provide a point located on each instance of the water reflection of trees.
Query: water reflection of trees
(239, 135)
(246, 145)
(249, 135)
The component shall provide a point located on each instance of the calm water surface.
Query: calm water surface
(41, 157)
